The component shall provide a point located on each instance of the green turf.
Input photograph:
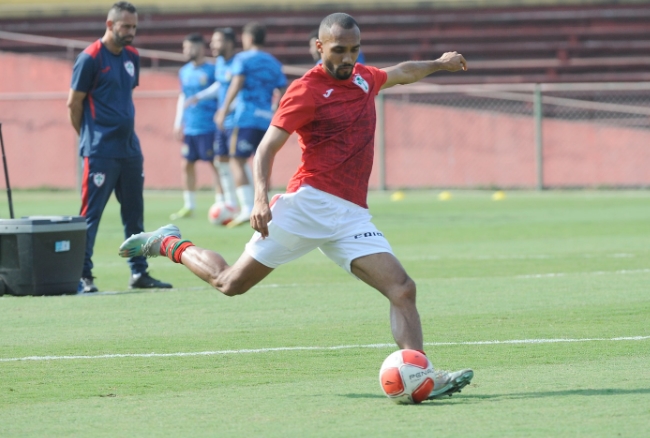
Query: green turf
(558, 265)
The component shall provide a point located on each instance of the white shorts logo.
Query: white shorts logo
(361, 83)
(99, 178)
(130, 68)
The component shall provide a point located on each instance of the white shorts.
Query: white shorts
(311, 218)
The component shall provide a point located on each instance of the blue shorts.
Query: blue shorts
(198, 147)
(244, 141)
(221, 144)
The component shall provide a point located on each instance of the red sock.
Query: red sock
(166, 243)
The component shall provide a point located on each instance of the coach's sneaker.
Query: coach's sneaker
(147, 244)
(182, 213)
(87, 285)
(146, 281)
(446, 383)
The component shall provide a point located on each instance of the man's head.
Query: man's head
(254, 34)
(121, 23)
(339, 41)
(313, 50)
(194, 47)
(223, 42)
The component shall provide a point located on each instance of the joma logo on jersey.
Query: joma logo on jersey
(361, 83)
(328, 92)
(368, 234)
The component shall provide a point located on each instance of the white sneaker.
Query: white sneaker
(447, 383)
(147, 244)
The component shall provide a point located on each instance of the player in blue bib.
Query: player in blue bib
(101, 110)
(256, 77)
(223, 49)
(194, 124)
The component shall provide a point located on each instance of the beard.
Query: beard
(122, 41)
(340, 71)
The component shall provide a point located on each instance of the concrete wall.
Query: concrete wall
(426, 146)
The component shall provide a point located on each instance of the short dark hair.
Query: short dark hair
(227, 32)
(342, 19)
(195, 38)
(258, 31)
(123, 6)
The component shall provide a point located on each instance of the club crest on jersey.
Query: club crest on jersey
(130, 68)
(361, 82)
(99, 178)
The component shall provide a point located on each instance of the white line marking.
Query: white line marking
(337, 347)
(562, 274)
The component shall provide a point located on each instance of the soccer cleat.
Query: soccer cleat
(446, 383)
(86, 285)
(147, 244)
(182, 213)
(244, 217)
(146, 281)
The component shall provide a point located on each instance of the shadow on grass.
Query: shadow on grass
(519, 395)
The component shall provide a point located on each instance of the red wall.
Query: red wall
(426, 146)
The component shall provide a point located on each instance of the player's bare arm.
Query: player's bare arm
(76, 108)
(234, 88)
(272, 142)
(412, 71)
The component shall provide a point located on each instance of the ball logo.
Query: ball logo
(99, 178)
(130, 68)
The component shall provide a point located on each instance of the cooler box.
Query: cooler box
(41, 255)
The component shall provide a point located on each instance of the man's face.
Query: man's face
(313, 50)
(246, 41)
(340, 49)
(220, 46)
(192, 51)
(124, 28)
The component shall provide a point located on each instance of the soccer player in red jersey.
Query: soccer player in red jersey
(333, 111)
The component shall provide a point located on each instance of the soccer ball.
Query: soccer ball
(406, 377)
(221, 214)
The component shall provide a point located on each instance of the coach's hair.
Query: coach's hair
(227, 32)
(344, 20)
(195, 38)
(119, 7)
(258, 31)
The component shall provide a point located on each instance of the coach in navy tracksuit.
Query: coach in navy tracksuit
(101, 111)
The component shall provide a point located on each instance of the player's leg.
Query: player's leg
(189, 156)
(222, 164)
(99, 179)
(129, 193)
(385, 273)
(244, 142)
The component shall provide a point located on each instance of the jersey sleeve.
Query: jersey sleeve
(237, 66)
(296, 108)
(83, 73)
(379, 78)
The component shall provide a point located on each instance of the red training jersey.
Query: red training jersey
(335, 121)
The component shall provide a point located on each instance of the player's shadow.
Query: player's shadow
(468, 397)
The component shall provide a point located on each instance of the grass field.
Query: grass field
(535, 266)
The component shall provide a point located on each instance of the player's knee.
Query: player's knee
(230, 286)
(403, 292)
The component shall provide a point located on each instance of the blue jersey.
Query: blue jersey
(108, 120)
(223, 75)
(198, 119)
(263, 75)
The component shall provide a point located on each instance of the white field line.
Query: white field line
(562, 274)
(337, 347)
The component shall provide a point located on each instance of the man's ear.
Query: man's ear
(319, 46)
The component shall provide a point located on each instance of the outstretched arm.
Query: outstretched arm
(271, 143)
(412, 71)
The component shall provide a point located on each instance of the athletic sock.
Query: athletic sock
(218, 198)
(173, 247)
(246, 196)
(227, 183)
(190, 199)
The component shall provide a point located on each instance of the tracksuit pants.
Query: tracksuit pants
(102, 176)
